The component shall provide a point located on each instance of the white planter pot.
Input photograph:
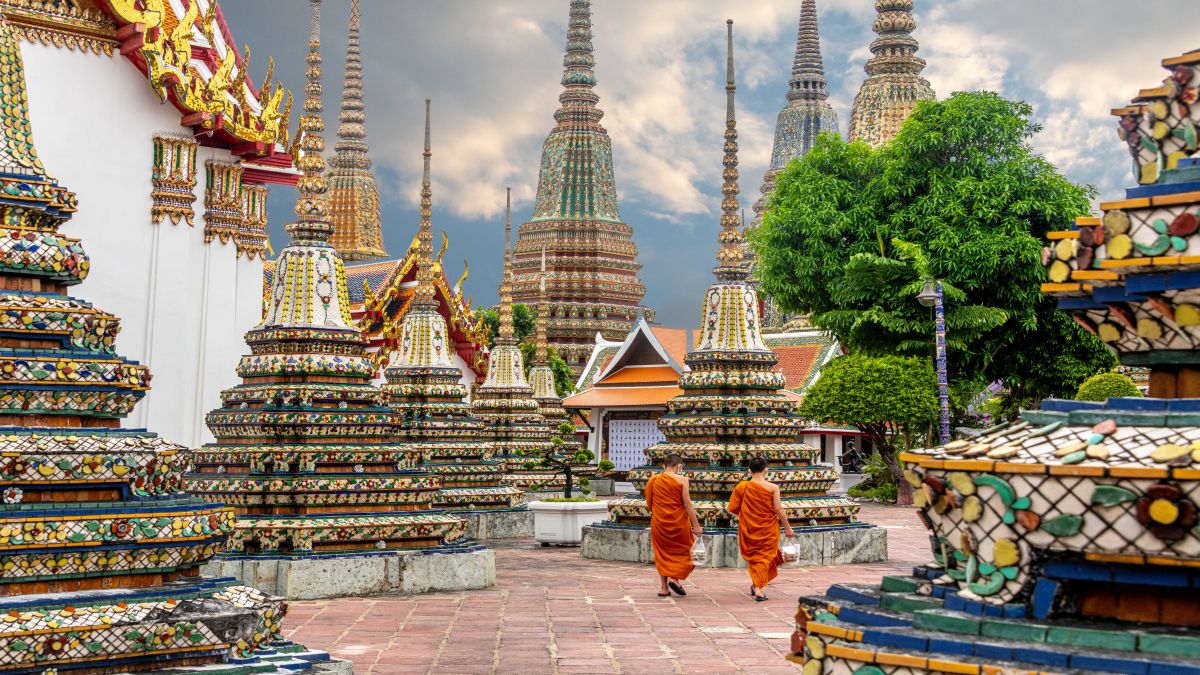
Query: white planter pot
(563, 522)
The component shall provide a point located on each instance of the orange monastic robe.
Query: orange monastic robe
(670, 529)
(758, 530)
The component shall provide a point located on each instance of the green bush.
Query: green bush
(1103, 386)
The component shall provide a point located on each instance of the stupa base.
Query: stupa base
(318, 577)
(833, 545)
(497, 524)
(280, 658)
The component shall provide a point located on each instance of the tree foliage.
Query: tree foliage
(524, 322)
(555, 458)
(524, 326)
(1103, 386)
(960, 195)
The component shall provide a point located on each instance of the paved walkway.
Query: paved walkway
(554, 612)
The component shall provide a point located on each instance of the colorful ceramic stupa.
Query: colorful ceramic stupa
(592, 277)
(304, 447)
(424, 387)
(353, 194)
(100, 548)
(1068, 541)
(894, 84)
(541, 378)
(734, 406)
(514, 424)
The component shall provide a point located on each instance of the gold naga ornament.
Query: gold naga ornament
(221, 99)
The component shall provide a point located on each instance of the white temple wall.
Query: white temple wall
(183, 304)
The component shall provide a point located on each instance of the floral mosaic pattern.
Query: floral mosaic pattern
(173, 179)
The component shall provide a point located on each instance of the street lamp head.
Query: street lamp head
(928, 295)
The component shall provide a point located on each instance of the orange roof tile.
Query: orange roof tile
(641, 375)
(796, 362)
(674, 340)
(616, 397)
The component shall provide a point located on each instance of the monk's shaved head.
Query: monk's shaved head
(758, 465)
(673, 461)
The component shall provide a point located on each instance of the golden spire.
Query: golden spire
(506, 318)
(424, 296)
(312, 208)
(731, 264)
(542, 357)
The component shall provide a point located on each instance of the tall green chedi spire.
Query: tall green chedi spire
(591, 276)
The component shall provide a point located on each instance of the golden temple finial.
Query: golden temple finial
(731, 252)
(445, 247)
(542, 357)
(458, 289)
(312, 207)
(424, 295)
(506, 318)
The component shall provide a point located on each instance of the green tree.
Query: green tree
(524, 326)
(554, 458)
(564, 380)
(891, 399)
(1103, 386)
(524, 322)
(959, 195)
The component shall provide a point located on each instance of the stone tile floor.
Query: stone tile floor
(554, 612)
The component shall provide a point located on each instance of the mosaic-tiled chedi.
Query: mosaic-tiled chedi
(1068, 541)
(99, 546)
(424, 387)
(894, 83)
(592, 279)
(303, 447)
(353, 195)
(807, 114)
(732, 407)
(513, 422)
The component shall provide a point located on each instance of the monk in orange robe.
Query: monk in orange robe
(760, 514)
(671, 513)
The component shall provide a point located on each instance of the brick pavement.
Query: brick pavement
(554, 612)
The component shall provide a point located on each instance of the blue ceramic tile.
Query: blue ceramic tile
(953, 647)
(1080, 571)
(1042, 657)
(1109, 664)
(1044, 593)
(864, 617)
(898, 640)
(994, 652)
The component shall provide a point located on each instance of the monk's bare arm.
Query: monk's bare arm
(649, 494)
(783, 521)
(687, 504)
(735, 501)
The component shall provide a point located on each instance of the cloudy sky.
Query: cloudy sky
(492, 68)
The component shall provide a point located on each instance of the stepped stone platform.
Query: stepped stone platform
(841, 545)
(316, 577)
(918, 624)
(497, 524)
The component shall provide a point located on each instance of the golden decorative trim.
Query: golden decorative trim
(61, 25)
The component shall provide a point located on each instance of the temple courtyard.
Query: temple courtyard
(552, 611)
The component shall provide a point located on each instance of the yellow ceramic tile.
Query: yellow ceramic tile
(1125, 204)
(1128, 110)
(1060, 288)
(1171, 562)
(1064, 234)
(825, 629)
(968, 465)
(1172, 200)
(1165, 260)
(1076, 470)
(1013, 467)
(1116, 558)
(889, 659)
(1137, 472)
(850, 653)
(1095, 275)
(953, 667)
(1128, 262)
(1083, 221)
(1186, 474)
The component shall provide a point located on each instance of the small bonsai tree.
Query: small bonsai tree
(555, 459)
(1103, 386)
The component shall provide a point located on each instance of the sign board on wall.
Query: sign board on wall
(628, 440)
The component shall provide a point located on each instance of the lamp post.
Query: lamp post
(931, 296)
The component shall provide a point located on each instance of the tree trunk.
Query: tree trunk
(567, 489)
(904, 493)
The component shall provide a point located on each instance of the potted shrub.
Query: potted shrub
(560, 520)
(605, 485)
